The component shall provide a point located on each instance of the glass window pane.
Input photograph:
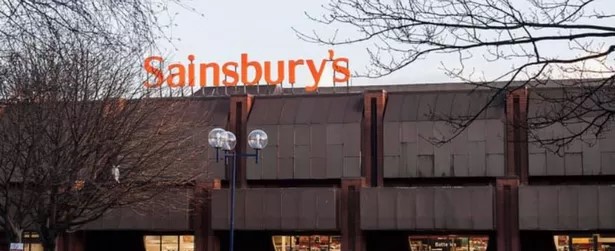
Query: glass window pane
(336, 243)
(170, 243)
(186, 243)
(152, 243)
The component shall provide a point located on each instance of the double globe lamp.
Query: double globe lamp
(219, 138)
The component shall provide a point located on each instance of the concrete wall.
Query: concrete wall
(417, 208)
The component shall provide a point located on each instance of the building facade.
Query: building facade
(364, 169)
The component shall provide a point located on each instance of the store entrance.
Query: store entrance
(585, 242)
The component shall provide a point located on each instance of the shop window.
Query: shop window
(307, 242)
(169, 242)
(594, 242)
(448, 243)
(32, 242)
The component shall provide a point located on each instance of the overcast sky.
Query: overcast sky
(263, 29)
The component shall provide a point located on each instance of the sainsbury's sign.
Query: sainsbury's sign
(232, 73)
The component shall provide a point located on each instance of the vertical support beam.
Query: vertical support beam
(349, 215)
(204, 237)
(507, 214)
(516, 135)
(241, 105)
(372, 160)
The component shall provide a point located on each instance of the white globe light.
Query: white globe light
(215, 137)
(257, 139)
(229, 140)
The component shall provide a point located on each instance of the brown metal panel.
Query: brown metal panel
(555, 164)
(411, 108)
(568, 214)
(476, 130)
(272, 209)
(286, 141)
(265, 111)
(495, 165)
(291, 208)
(442, 160)
(326, 210)
(494, 136)
(254, 170)
(253, 209)
(409, 132)
(461, 218)
(307, 208)
(478, 158)
(354, 109)
(387, 198)
(302, 162)
(268, 163)
(220, 209)
(573, 163)
(425, 134)
(528, 208)
(425, 165)
(334, 161)
(320, 112)
(443, 208)
(302, 135)
(394, 107)
(538, 164)
(352, 140)
(547, 207)
(426, 106)
(241, 208)
(461, 104)
(369, 208)
(481, 206)
(606, 207)
(334, 134)
(352, 167)
(460, 165)
(391, 167)
(285, 168)
(425, 208)
(337, 109)
(289, 110)
(607, 160)
(392, 139)
(444, 105)
(587, 207)
(318, 140)
(591, 159)
(406, 208)
(272, 133)
(305, 111)
(409, 161)
(318, 167)
(479, 100)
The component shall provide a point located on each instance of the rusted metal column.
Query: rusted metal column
(507, 214)
(349, 215)
(516, 135)
(204, 237)
(241, 105)
(372, 134)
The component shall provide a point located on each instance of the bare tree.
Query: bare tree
(541, 40)
(79, 137)
(78, 134)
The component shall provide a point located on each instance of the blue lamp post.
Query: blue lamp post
(219, 138)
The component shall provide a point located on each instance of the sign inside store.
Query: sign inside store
(247, 72)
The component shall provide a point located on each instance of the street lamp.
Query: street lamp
(219, 138)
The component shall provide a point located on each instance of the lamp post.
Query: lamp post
(219, 138)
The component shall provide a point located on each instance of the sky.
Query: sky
(263, 29)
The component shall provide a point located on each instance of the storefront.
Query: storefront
(306, 242)
(448, 243)
(169, 242)
(595, 242)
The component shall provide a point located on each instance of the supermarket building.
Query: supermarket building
(352, 169)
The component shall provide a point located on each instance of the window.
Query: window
(448, 243)
(589, 242)
(31, 242)
(169, 242)
(307, 242)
